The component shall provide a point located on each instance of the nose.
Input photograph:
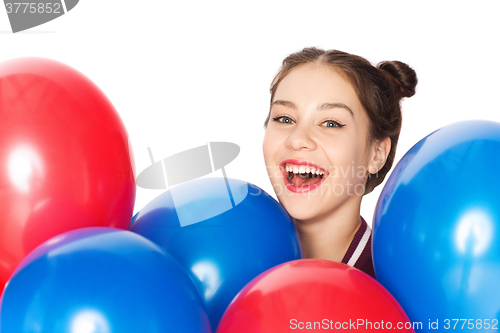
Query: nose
(300, 139)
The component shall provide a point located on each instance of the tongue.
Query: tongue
(299, 181)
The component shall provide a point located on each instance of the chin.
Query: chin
(300, 207)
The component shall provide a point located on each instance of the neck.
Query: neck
(329, 237)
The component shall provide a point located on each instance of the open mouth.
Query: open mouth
(301, 176)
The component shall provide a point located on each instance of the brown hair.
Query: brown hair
(379, 89)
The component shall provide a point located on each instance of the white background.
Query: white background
(182, 73)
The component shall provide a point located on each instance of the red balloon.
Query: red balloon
(65, 158)
(315, 296)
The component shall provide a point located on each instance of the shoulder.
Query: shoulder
(359, 253)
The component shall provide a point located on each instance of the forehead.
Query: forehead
(317, 83)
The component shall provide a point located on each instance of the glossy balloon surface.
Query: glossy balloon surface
(226, 251)
(101, 280)
(436, 242)
(313, 295)
(65, 161)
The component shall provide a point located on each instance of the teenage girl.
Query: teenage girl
(331, 137)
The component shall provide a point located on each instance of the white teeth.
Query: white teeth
(303, 169)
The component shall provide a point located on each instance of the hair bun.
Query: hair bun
(402, 77)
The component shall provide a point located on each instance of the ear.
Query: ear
(380, 152)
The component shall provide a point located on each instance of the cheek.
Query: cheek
(270, 146)
(340, 150)
(346, 159)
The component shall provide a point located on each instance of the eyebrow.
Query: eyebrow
(325, 106)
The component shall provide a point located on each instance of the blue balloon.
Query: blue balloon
(225, 234)
(436, 241)
(133, 219)
(101, 280)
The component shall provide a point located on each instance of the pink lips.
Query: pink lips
(301, 189)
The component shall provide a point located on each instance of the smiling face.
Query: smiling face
(316, 146)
